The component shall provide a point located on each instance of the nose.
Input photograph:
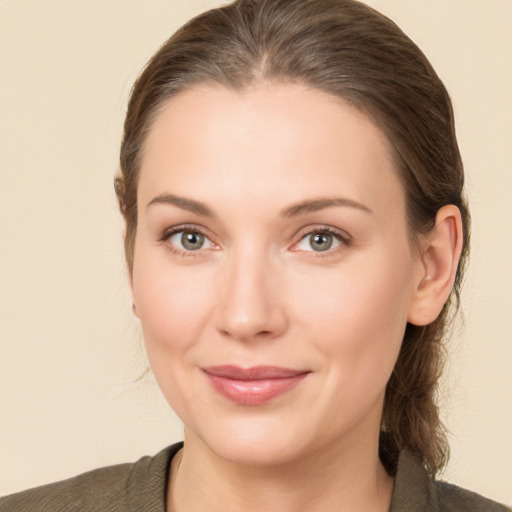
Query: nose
(249, 303)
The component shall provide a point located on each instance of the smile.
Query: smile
(253, 386)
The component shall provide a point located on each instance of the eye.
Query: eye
(189, 240)
(320, 240)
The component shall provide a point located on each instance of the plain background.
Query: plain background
(70, 351)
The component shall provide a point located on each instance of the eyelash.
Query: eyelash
(179, 229)
(343, 238)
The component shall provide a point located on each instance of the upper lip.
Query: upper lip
(252, 373)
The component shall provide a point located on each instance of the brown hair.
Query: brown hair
(349, 50)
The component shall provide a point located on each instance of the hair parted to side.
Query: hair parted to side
(349, 50)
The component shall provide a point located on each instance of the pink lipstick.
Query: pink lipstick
(253, 386)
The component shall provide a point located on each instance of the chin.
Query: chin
(258, 444)
(264, 453)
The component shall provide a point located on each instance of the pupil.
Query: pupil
(192, 241)
(321, 242)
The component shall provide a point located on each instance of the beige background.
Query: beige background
(70, 351)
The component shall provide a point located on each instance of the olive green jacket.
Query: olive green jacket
(141, 487)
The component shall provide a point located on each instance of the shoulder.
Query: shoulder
(136, 486)
(415, 491)
(454, 499)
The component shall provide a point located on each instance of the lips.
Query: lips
(253, 386)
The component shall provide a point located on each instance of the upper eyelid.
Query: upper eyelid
(341, 233)
(173, 230)
(185, 227)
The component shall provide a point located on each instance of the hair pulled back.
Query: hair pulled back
(347, 49)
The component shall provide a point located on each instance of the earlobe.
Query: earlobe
(441, 250)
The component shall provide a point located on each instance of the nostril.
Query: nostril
(246, 333)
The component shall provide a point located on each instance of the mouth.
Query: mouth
(255, 385)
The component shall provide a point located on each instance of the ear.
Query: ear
(129, 272)
(440, 254)
(130, 281)
(134, 305)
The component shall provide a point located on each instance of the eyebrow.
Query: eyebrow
(183, 203)
(295, 210)
(314, 205)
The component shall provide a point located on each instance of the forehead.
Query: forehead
(284, 140)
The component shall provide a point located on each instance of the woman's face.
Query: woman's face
(273, 274)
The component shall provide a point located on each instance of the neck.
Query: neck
(347, 476)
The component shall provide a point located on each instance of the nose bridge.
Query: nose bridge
(250, 305)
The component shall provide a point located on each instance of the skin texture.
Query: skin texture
(258, 293)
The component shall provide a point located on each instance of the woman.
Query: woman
(296, 233)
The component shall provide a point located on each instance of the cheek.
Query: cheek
(173, 304)
(357, 315)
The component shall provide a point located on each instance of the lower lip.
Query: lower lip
(254, 392)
